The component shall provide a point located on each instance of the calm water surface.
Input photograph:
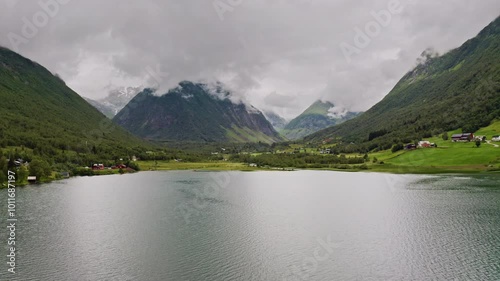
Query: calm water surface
(305, 225)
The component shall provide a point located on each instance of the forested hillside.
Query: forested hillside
(42, 117)
(460, 89)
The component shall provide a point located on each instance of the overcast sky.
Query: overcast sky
(276, 54)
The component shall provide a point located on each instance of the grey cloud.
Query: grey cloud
(290, 48)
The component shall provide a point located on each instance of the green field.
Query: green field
(447, 157)
(491, 130)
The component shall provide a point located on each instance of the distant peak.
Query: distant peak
(321, 102)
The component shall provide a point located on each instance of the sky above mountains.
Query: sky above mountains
(277, 55)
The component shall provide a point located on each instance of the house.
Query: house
(425, 144)
(98, 167)
(32, 179)
(410, 146)
(495, 138)
(480, 138)
(325, 151)
(462, 137)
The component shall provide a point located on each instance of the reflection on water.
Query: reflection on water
(305, 225)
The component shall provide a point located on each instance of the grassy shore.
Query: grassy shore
(373, 167)
(209, 166)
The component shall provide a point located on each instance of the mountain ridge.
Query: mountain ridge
(195, 112)
(115, 101)
(459, 89)
(316, 117)
(276, 120)
(49, 116)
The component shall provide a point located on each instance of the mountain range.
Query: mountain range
(276, 121)
(195, 112)
(115, 101)
(459, 89)
(318, 116)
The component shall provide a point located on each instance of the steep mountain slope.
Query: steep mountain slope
(40, 112)
(317, 117)
(115, 101)
(193, 112)
(457, 90)
(277, 121)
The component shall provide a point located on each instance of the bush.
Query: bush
(397, 147)
(478, 143)
(40, 169)
(134, 166)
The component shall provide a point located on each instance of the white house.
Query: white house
(424, 144)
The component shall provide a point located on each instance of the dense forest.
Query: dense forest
(301, 160)
(44, 122)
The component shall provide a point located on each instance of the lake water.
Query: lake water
(304, 225)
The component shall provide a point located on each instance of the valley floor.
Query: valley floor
(448, 157)
(208, 166)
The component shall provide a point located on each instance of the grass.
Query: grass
(448, 157)
(208, 166)
(237, 134)
(491, 130)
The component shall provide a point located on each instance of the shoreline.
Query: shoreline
(242, 167)
(386, 169)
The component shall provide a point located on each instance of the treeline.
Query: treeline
(300, 160)
(220, 147)
(47, 162)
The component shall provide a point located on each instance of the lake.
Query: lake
(303, 225)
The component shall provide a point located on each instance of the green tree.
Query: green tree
(39, 168)
(478, 143)
(22, 174)
(445, 136)
(11, 164)
(397, 147)
(3, 170)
